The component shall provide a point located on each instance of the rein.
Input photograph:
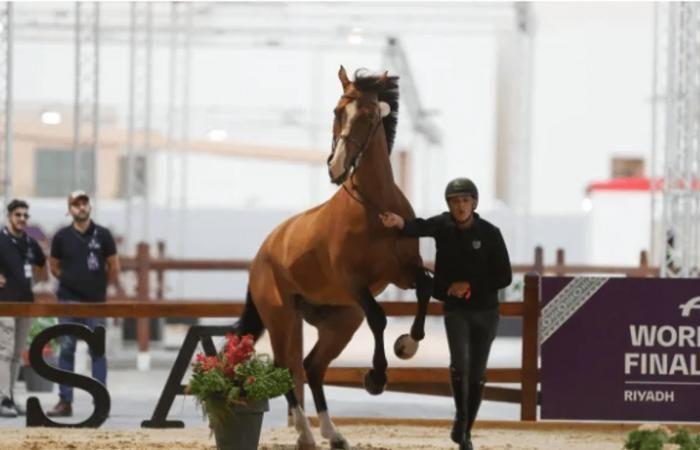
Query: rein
(362, 199)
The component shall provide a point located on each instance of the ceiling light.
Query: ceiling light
(587, 205)
(217, 135)
(355, 36)
(51, 117)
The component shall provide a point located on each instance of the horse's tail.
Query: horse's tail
(250, 321)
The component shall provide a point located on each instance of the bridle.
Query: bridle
(355, 162)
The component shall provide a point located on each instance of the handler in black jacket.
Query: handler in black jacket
(471, 265)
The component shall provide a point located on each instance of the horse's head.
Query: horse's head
(358, 115)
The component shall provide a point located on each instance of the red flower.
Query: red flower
(206, 363)
(236, 350)
(250, 380)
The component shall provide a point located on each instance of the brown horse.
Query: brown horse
(327, 264)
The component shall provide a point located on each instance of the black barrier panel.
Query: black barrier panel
(172, 386)
(129, 326)
(96, 343)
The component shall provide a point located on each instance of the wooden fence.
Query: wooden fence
(426, 380)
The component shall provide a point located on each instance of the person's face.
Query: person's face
(80, 210)
(462, 207)
(18, 219)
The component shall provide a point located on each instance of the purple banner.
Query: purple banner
(620, 349)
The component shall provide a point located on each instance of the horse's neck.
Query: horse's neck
(374, 177)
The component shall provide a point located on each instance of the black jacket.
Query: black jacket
(477, 255)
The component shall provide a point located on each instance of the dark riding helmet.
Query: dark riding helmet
(461, 186)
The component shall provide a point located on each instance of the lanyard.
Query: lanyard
(16, 241)
(93, 241)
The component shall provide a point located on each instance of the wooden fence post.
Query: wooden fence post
(530, 351)
(560, 269)
(160, 273)
(644, 263)
(539, 260)
(143, 289)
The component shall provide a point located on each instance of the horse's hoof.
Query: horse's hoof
(375, 382)
(338, 442)
(405, 346)
(305, 445)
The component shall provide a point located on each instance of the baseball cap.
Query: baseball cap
(77, 195)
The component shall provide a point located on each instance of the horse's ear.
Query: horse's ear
(343, 77)
(384, 109)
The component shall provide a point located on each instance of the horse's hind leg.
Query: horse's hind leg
(375, 379)
(334, 332)
(406, 345)
(287, 346)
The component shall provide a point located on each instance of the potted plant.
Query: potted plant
(659, 437)
(33, 381)
(233, 389)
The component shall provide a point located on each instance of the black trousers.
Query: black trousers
(469, 336)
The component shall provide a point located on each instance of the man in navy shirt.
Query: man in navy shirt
(83, 258)
(19, 256)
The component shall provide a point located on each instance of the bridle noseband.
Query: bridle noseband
(355, 162)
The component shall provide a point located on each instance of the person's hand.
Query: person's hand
(2, 281)
(391, 220)
(461, 289)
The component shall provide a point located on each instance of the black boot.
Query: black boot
(459, 393)
(476, 392)
(466, 444)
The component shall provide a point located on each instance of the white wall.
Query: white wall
(621, 221)
(254, 86)
(592, 83)
(593, 72)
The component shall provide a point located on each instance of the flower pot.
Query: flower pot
(242, 429)
(34, 381)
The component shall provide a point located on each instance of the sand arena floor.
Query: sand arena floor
(374, 437)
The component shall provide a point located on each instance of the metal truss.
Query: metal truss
(6, 99)
(178, 125)
(140, 115)
(394, 57)
(658, 135)
(87, 89)
(681, 141)
(428, 135)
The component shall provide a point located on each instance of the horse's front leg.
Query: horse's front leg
(375, 379)
(406, 345)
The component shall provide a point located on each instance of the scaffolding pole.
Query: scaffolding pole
(139, 119)
(178, 124)
(86, 120)
(681, 184)
(6, 114)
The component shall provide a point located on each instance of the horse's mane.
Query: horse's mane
(389, 93)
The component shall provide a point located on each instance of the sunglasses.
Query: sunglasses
(21, 215)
